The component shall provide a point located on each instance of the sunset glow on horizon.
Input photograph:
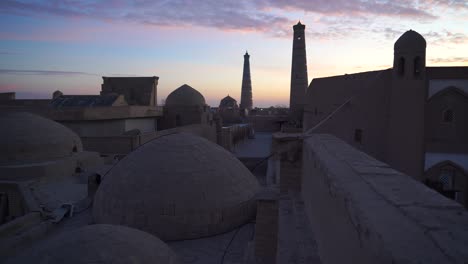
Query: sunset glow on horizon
(69, 45)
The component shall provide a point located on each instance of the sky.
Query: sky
(69, 45)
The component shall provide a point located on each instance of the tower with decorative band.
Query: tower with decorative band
(299, 81)
(246, 93)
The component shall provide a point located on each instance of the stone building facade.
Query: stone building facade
(185, 106)
(136, 90)
(229, 110)
(399, 115)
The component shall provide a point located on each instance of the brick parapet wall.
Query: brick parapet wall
(363, 211)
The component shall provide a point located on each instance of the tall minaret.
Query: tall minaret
(246, 95)
(299, 81)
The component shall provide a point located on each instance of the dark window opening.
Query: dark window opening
(358, 136)
(78, 170)
(299, 37)
(401, 66)
(448, 116)
(417, 66)
(75, 149)
(98, 179)
(315, 111)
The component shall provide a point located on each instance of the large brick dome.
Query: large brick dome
(99, 244)
(185, 96)
(29, 138)
(177, 187)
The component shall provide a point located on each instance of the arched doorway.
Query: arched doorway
(449, 179)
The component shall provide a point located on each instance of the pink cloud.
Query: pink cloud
(8, 87)
(266, 16)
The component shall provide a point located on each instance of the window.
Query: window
(358, 136)
(417, 66)
(401, 66)
(446, 178)
(315, 111)
(448, 116)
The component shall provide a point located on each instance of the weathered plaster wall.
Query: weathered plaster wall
(447, 137)
(267, 123)
(363, 211)
(96, 128)
(124, 144)
(145, 125)
(111, 127)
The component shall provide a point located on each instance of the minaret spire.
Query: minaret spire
(246, 93)
(299, 80)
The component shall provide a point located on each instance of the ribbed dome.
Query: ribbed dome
(410, 41)
(186, 96)
(228, 101)
(99, 244)
(178, 186)
(29, 138)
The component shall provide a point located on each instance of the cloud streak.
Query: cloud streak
(446, 37)
(353, 7)
(266, 16)
(450, 60)
(42, 72)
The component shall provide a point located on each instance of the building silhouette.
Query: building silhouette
(299, 80)
(246, 91)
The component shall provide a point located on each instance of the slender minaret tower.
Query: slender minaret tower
(246, 95)
(408, 95)
(299, 81)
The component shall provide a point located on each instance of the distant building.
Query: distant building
(125, 104)
(405, 116)
(7, 96)
(136, 90)
(185, 106)
(246, 102)
(229, 110)
(299, 79)
(64, 101)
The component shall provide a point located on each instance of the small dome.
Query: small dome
(228, 101)
(410, 41)
(29, 138)
(99, 244)
(57, 94)
(186, 96)
(176, 187)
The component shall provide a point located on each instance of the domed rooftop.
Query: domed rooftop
(99, 244)
(176, 187)
(410, 41)
(29, 138)
(185, 95)
(228, 101)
